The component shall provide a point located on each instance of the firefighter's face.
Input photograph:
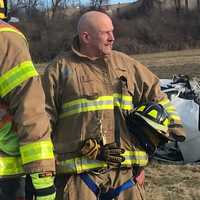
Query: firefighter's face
(97, 35)
(102, 38)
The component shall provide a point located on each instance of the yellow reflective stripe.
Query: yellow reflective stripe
(10, 166)
(82, 164)
(2, 4)
(85, 164)
(84, 100)
(164, 102)
(123, 101)
(41, 183)
(79, 165)
(123, 97)
(85, 105)
(135, 157)
(172, 111)
(16, 76)
(170, 108)
(36, 151)
(10, 29)
(2, 10)
(153, 113)
(166, 122)
(175, 117)
(2, 16)
(101, 103)
(141, 108)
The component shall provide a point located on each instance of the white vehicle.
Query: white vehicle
(184, 93)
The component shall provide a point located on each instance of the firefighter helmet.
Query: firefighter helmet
(149, 124)
(3, 10)
(155, 116)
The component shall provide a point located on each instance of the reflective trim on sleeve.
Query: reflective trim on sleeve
(8, 28)
(101, 103)
(16, 76)
(174, 116)
(135, 158)
(10, 166)
(171, 110)
(122, 101)
(36, 151)
(40, 183)
(82, 164)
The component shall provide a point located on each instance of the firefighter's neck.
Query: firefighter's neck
(90, 52)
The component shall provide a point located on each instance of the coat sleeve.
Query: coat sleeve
(21, 90)
(148, 89)
(51, 85)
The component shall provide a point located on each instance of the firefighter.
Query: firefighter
(89, 92)
(25, 145)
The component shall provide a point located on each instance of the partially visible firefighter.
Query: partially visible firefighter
(94, 99)
(25, 144)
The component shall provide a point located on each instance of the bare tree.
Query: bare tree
(178, 6)
(146, 6)
(98, 4)
(198, 4)
(186, 5)
(26, 5)
(58, 5)
(55, 5)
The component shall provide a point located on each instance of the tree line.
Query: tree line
(50, 28)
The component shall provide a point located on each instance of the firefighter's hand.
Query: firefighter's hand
(177, 132)
(90, 148)
(111, 154)
(43, 184)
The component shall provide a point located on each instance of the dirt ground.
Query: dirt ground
(165, 181)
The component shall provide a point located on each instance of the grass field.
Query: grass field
(175, 62)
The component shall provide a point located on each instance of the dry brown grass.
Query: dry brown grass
(175, 62)
(172, 182)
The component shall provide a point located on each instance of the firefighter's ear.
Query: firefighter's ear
(85, 37)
